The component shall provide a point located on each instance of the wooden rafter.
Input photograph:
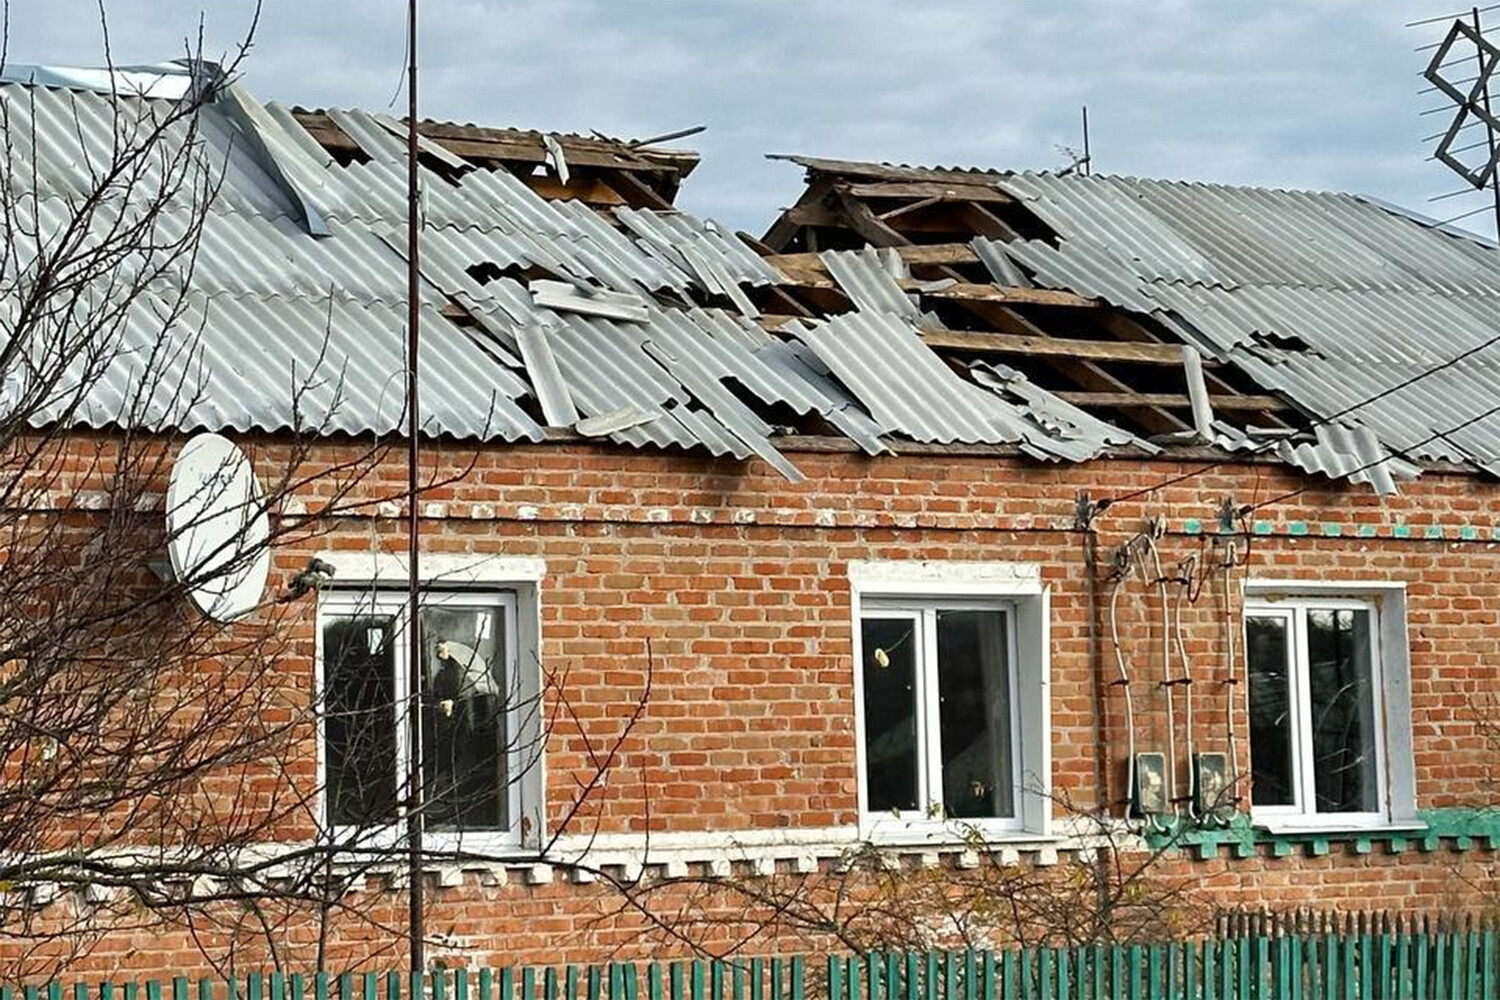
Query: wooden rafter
(912, 207)
(604, 173)
(1029, 345)
(1218, 402)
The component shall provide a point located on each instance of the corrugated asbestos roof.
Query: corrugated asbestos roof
(272, 306)
(640, 324)
(1328, 299)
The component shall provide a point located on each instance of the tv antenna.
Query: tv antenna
(1083, 159)
(1470, 95)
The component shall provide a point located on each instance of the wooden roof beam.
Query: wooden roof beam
(1029, 345)
(1218, 402)
(939, 190)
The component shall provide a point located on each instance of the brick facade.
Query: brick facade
(739, 580)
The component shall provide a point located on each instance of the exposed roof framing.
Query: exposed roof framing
(1091, 352)
(1061, 317)
(602, 172)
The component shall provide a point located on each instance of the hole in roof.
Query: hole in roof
(447, 171)
(347, 154)
(1281, 341)
(486, 271)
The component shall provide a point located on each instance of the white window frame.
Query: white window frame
(365, 583)
(919, 589)
(1390, 683)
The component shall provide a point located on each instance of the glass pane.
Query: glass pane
(890, 673)
(465, 778)
(974, 703)
(1343, 711)
(1271, 760)
(359, 721)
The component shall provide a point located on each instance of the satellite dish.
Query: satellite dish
(217, 527)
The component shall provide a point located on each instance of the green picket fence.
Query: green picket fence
(1368, 960)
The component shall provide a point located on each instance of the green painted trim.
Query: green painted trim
(1460, 830)
(1338, 529)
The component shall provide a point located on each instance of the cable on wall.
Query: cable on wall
(1187, 570)
(1231, 673)
(1116, 585)
(1157, 527)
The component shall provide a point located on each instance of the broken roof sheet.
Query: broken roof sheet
(1330, 299)
(642, 324)
(637, 323)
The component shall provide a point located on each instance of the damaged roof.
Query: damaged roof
(1378, 328)
(563, 294)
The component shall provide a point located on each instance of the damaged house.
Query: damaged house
(964, 518)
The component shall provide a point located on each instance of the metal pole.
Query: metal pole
(1088, 165)
(414, 822)
(1489, 130)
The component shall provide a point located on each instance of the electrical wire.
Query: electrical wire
(1231, 677)
(1166, 666)
(1260, 449)
(1186, 572)
(1123, 682)
(1290, 494)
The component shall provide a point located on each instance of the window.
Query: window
(480, 710)
(1327, 678)
(952, 716)
(940, 723)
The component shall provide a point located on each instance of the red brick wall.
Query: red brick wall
(738, 579)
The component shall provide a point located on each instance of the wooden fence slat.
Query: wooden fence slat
(1489, 973)
(1300, 955)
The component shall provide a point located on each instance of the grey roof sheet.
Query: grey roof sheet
(271, 306)
(1327, 298)
(1322, 297)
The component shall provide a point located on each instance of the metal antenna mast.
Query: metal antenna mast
(1086, 166)
(1489, 123)
(1472, 97)
(414, 819)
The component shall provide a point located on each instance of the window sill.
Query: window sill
(1293, 826)
(499, 845)
(950, 834)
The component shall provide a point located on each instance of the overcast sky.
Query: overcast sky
(1297, 94)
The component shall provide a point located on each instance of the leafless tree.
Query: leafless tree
(1110, 886)
(153, 756)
